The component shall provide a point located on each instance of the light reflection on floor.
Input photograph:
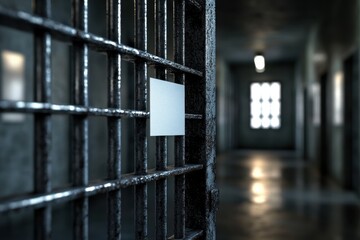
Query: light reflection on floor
(269, 196)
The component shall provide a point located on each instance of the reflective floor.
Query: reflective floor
(274, 196)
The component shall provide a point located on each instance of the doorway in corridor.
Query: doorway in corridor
(323, 130)
(351, 117)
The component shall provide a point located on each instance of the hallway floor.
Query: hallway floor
(274, 196)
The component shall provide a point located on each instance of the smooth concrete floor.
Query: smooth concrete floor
(275, 196)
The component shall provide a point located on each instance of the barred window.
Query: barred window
(265, 105)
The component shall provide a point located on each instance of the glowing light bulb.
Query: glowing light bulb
(259, 61)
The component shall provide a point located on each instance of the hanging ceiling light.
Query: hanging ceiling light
(259, 61)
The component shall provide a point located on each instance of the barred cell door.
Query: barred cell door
(192, 64)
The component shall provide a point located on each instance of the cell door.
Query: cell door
(193, 65)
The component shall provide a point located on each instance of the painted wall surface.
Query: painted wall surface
(247, 138)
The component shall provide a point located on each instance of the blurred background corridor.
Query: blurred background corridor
(288, 119)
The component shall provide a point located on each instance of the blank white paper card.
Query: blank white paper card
(167, 108)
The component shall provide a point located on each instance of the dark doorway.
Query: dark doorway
(351, 133)
(324, 122)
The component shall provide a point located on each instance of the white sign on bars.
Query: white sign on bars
(167, 108)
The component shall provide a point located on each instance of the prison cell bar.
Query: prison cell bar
(190, 235)
(179, 45)
(94, 188)
(141, 193)
(27, 22)
(161, 142)
(80, 123)
(201, 201)
(196, 4)
(211, 189)
(114, 123)
(38, 107)
(42, 128)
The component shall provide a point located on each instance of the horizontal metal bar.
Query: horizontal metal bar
(28, 22)
(68, 194)
(37, 107)
(190, 234)
(195, 3)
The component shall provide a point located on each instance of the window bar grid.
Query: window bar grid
(114, 123)
(179, 45)
(42, 128)
(161, 142)
(141, 217)
(80, 124)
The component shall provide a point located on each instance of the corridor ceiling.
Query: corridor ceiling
(276, 27)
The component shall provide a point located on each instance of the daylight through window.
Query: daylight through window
(265, 105)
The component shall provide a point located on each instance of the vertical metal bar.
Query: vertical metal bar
(80, 126)
(201, 201)
(161, 142)
(212, 196)
(42, 128)
(114, 124)
(140, 124)
(179, 44)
